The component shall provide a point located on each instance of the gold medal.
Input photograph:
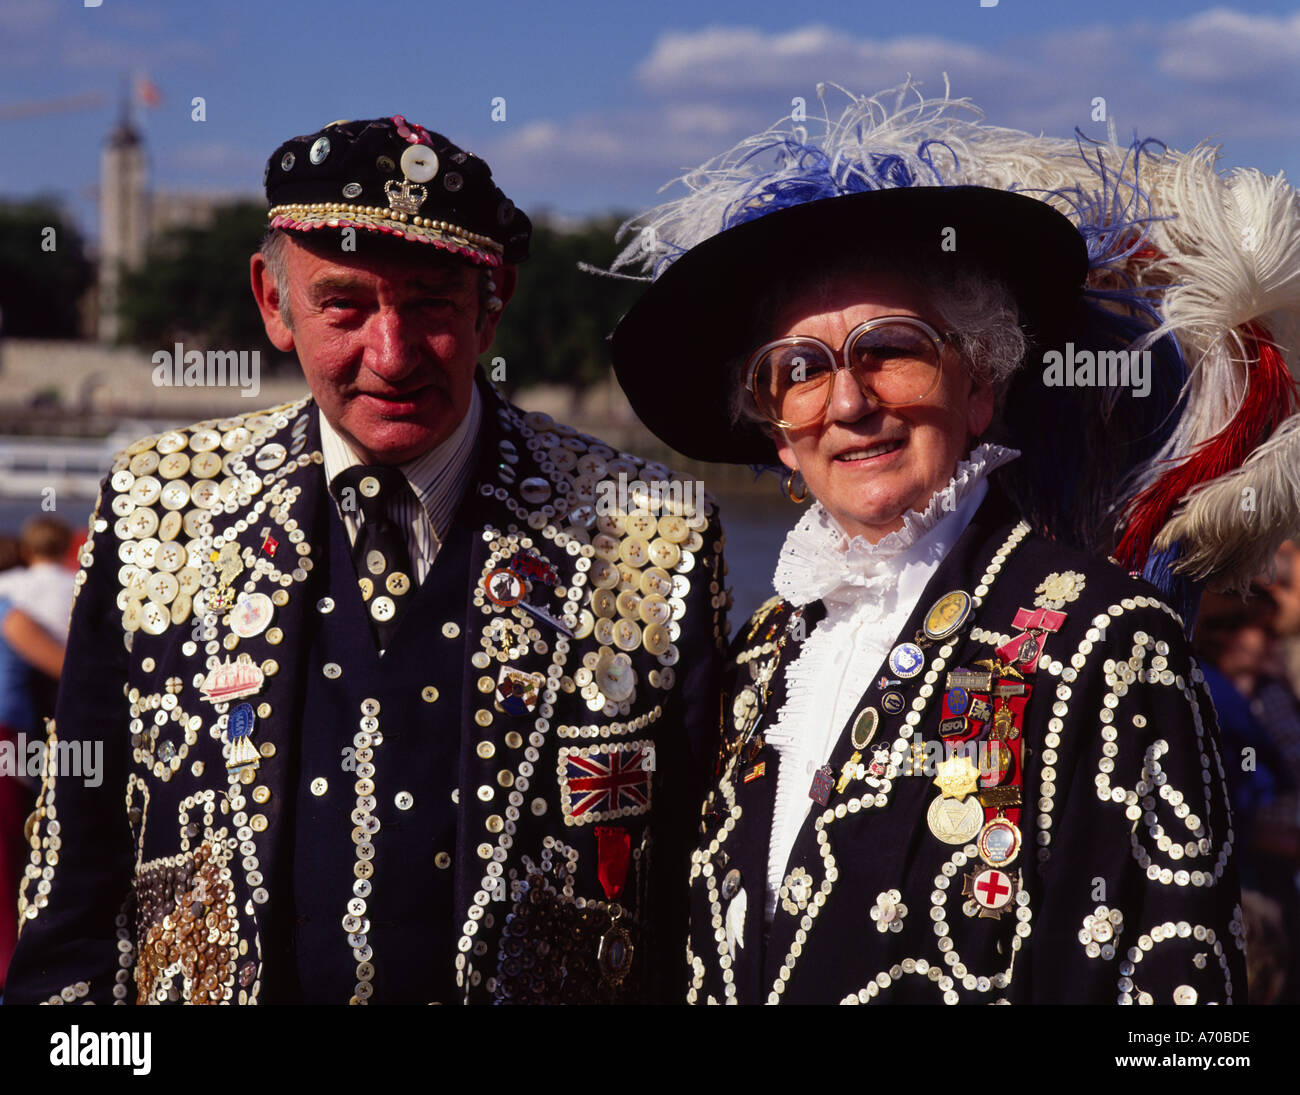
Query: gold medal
(955, 821)
(957, 777)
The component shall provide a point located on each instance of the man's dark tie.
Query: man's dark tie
(379, 554)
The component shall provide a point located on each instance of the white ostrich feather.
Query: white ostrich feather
(1230, 244)
(1231, 526)
(1232, 256)
(961, 149)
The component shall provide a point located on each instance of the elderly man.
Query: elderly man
(963, 762)
(387, 702)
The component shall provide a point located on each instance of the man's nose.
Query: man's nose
(391, 348)
(849, 402)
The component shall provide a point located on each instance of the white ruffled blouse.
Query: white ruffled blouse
(870, 591)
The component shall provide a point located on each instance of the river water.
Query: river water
(755, 523)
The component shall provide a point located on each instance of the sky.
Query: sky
(605, 102)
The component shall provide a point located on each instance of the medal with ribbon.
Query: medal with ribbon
(509, 587)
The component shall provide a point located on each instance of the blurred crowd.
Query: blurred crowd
(1250, 651)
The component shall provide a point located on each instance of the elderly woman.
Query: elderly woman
(961, 761)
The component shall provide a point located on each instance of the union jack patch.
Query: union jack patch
(605, 781)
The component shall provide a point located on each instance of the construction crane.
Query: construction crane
(38, 108)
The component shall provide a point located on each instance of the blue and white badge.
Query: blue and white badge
(242, 753)
(958, 700)
(240, 723)
(906, 659)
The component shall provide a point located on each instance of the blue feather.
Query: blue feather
(1181, 593)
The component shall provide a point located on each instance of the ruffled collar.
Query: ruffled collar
(818, 557)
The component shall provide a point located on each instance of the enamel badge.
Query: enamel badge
(239, 730)
(999, 842)
(906, 659)
(991, 892)
(232, 681)
(517, 692)
(251, 615)
(947, 615)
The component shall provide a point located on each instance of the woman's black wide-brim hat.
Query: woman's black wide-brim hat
(672, 349)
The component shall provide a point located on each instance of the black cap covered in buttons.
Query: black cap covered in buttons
(390, 176)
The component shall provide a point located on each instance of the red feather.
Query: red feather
(1270, 396)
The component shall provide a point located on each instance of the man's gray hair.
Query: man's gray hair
(274, 251)
(977, 308)
(274, 255)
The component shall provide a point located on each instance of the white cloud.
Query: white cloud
(1232, 47)
(27, 16)
(737, 62)
(1219, 74)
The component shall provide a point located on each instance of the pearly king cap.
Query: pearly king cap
(391, 176)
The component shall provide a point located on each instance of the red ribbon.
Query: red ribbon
(613, 854)
(1044, 619)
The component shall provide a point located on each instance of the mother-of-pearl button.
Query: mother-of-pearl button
(419, 163)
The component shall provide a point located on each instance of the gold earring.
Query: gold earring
(788, 487)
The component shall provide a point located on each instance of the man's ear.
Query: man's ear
(506, 279)
(268, 303)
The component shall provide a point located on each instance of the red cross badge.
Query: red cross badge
(992, 892)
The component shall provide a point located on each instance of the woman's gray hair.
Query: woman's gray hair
(977, 308)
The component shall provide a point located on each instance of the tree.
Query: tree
(193, 286)
(43, 271)
(555, 329)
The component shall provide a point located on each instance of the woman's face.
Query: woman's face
(867, 464)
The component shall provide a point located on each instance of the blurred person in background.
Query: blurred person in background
(41, 592)
(1234, 639)
(34, 604)
(1259, 657)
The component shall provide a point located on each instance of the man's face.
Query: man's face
(388, 342)
(867, 464)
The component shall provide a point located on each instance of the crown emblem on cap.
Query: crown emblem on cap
(406, 196)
